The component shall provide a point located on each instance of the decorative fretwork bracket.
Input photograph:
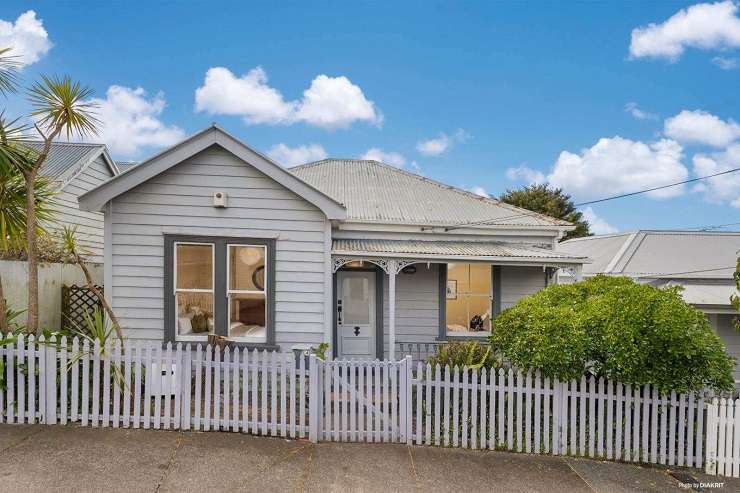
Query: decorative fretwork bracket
(389, 266)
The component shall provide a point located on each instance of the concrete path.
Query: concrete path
(71, 458)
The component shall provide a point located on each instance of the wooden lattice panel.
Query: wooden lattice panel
(76, 301)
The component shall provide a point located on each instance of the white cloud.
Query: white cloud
(700, 127)
(478, 190)
(525, 173)
(640, 114)
(335, 102)
(27, 38)
(597, 225)
(440, 144)
(330, 102)
(724, 188)
(618, 165)
(392, 158)
(130, 121)
(726, 63)
(706, 26)
(293, 156)
(248, 96)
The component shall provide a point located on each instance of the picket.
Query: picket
(135, 384)
(21, 382)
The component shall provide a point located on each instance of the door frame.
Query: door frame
(378, 309)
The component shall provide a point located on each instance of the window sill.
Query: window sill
(240, 344)
(460, 338)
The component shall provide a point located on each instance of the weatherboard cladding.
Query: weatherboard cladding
(444, 249)
(179, 201)
(377, 192)
(89, 225)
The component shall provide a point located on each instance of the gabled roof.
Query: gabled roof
(96, 199)
(376, 192)
(659, 254)
(67, 159)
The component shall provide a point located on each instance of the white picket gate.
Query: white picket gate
(364, 401)
(145, 385)
(723, 437)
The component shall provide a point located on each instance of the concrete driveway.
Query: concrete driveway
(70, 458)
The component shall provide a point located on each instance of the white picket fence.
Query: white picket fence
(146, 386)
(589, 417)
(269, 393)
(723, 437)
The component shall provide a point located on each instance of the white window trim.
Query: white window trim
(230, 291)
(175, 290)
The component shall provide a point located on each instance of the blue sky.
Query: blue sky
(588, 96)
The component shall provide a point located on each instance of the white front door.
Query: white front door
(356, 314)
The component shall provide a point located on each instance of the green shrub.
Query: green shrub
(618, 329)
(469, 353)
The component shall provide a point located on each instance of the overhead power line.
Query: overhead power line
(580, 204)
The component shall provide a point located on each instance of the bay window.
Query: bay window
(221, 286)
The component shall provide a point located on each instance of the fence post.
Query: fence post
(409, 399)
(50, 353)
(710, 464)
(314, 394)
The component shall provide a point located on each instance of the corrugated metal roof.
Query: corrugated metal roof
(124, 166)
(660, 254)
(600, 249)
(64, 155)
(377, 192)
(446, 249)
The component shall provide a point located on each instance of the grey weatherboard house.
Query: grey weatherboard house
(210, 236)
(74, 169)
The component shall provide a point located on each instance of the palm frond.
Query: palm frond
(59, 103)
(13, 207)
(9, 68)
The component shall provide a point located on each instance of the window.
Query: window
(246, 292)
(193, 289)
(468, 299)
(221, 286)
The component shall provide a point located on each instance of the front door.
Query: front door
(356, 314)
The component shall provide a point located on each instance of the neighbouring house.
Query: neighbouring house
(74, 169)
(701, 262)
(211, 236)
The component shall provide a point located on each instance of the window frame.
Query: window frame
(220, 287)
(229, 291)
(495, 296)
(175, 289)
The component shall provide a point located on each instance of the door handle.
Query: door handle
(357, 331)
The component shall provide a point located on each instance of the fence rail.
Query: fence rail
(269, 393)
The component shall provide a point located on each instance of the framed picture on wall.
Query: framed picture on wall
(452, 289)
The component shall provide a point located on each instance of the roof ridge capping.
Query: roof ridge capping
(474, 196)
